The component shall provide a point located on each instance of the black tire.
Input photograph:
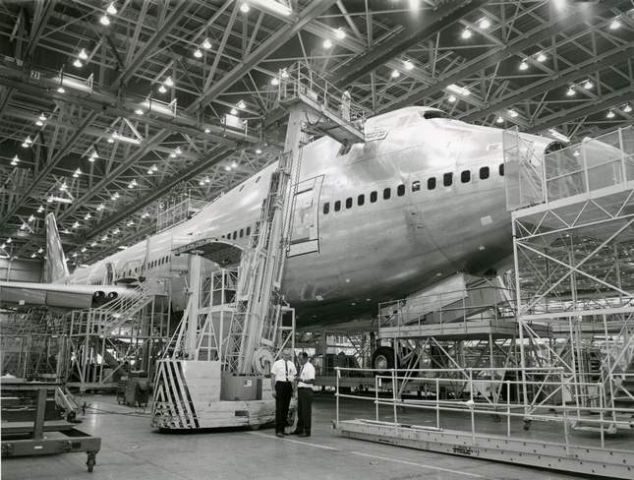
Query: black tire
(383, 359)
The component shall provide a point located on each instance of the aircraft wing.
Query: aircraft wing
(59, 295)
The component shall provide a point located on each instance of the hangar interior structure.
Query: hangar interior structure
(122, 120)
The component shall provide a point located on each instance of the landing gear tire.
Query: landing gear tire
(383, 359)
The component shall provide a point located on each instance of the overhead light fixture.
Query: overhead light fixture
(104, 20)
(206, 44)
(168, 82)
(451, 99)
(93, 244)
(258, 151)
(178, 150)
(138, 111)
(121, 138)
(93, 156)
(541, 57)
(241, 105)
(162, 89)
(198, 53)
(395, 73)
(409, 66)
(145, 215)
(465, 92)
(40, 250)
(82, 54)
(104, 238)
(63, 187)
(484, 24)
(571, 92)
(588, 85)
(112, 9)
(100, 207)
(42, 117)
(615, 24)
(116, 231)
(115, 196)
(284, 73)
(233, 111)
(77, 63)
(523, 65)
(31, 218)
(207, 130)
(499, 120)
(340, 34)
(88, 216)
(15, 160)
(77, 173)
(76, 225)
(272, 6)
(610, 114)
(466, 34)
(40, 209)
(627, 108)
(207, 180)
(132, 184)
(327, 43)
(558, 135)
(58, 199)
(275, 82)
(234, 164)
(33, 255)
(201, 183)
(227, 167)
(9, 240)
(513, 113)
(130, 223)
(39, 123)
(61, 89)
(28, 140)
(244, 8)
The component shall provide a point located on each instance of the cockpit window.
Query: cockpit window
(429, 114)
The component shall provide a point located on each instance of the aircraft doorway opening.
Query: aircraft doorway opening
(305, 226)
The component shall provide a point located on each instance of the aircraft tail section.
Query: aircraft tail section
(56, 268)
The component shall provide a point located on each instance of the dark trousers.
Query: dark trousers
(304, 409)
(283, 394)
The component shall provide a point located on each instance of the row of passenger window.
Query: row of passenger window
(238, 234)
(447, 181)
(157, 262)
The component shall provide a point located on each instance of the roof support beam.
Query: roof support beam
(162, 31)
(587, 108)
(433, 22)
(213, 157)
(266, 49)
(574, 73)
(497, 55)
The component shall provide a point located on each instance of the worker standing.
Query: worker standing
(283, 374)
(305, 383)
(346, 99)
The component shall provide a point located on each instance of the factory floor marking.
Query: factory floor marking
(361, 454)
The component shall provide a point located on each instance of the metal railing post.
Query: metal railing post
(508, 408)
(394, 396)
(437, 403)
(472, 407)
(337, 374)
(376, 397)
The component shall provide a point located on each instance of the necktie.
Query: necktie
(286, 366)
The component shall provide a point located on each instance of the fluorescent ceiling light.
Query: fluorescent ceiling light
(82, 54)
(466, 34)
(559, 136)
(206, 44)
(121, 138)
(327, 43)
(541, 57)
(112, 9)
(459, 90)
(104, 20)
(271, 6)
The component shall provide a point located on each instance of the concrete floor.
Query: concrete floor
(131, 450)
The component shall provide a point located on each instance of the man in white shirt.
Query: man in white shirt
(283, 374)
(305, 383)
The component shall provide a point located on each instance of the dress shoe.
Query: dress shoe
(279, 434)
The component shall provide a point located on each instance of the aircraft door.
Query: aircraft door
(305, 226)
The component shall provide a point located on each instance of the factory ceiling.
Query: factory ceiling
(109, 111)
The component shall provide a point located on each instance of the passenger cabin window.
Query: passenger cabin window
(241, 232)
(326, 208)
(484, 173)
(387, 193)
(360, 199)
(431, 183)
(235, 234)
(349, 202)
(248, 230)
(416, 186)
(501, 169)
(400, 190)
(373, 197)
(447, 179)
(465, 176)
(337, 206)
